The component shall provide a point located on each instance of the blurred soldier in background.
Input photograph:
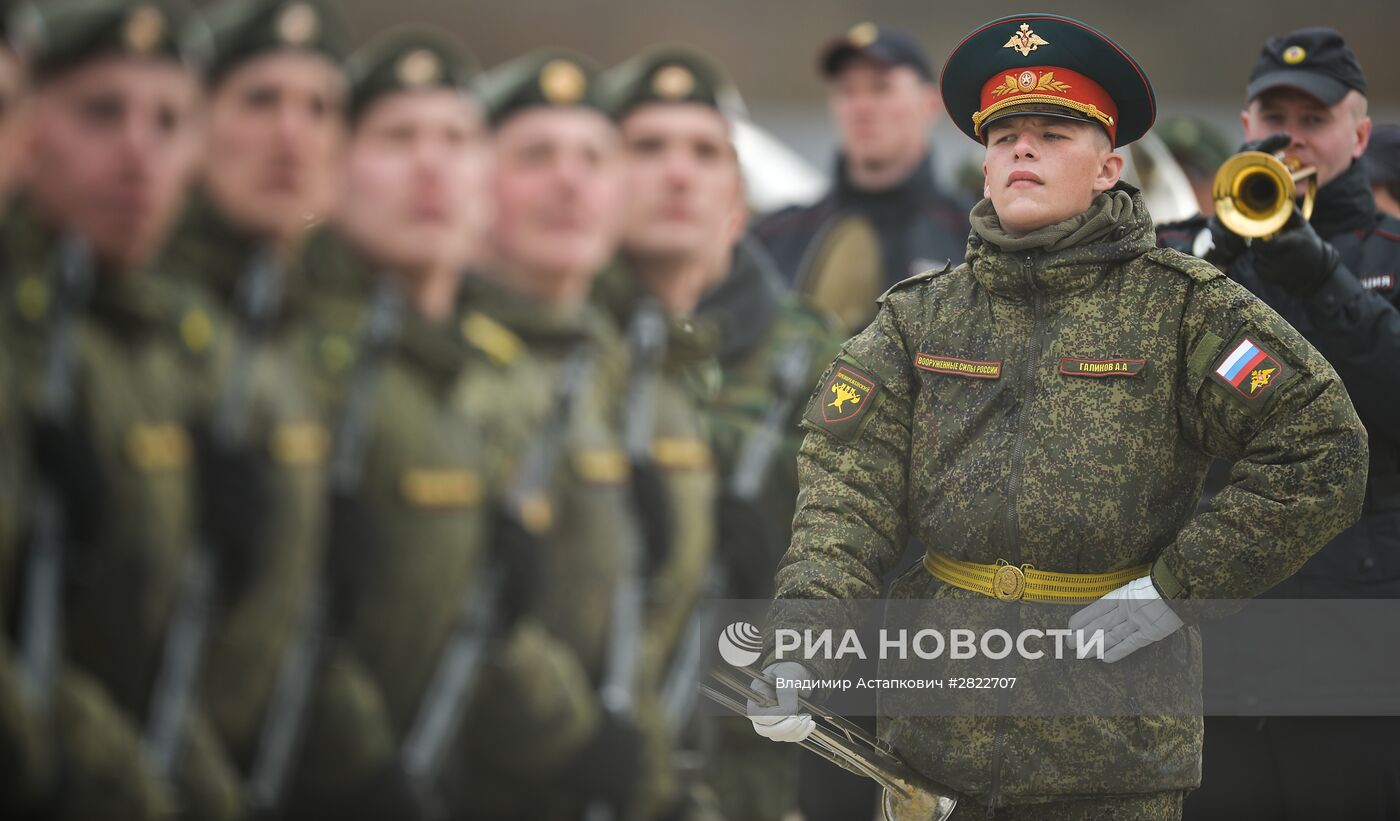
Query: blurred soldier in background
(273, 132)
(1383, 166)
(1332, 277)
(412, 472)
(544, 741)
(115, 367)
(23, 757)
(1199, 148)
(744, 346)
(884, 218)
(678, 191)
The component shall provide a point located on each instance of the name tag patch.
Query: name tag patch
(1071, 366)
(1249, 370)
(957, 367)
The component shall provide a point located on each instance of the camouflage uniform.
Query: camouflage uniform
(144, 360)
(1002, 467)
(750, 323)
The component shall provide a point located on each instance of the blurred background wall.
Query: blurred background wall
(1197, 52)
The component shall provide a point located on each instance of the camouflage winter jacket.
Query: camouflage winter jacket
(1059, 408)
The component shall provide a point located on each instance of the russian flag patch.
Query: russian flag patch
(1249, 370)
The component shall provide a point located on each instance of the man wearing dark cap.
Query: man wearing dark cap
(1332, 276)
(272, 139)
(884, 217)
(732, 330)
(1383, 167)
(959, 417)
(112, 146)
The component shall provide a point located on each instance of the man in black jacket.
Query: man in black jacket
(1334, 278)
(883, 98)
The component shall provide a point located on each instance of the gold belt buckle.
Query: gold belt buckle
(1008, 582)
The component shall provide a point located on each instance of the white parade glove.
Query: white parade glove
(1131, 617)
(781, 722)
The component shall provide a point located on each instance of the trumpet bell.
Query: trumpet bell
(1254, 193)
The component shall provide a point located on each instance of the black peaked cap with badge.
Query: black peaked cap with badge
(1313, 60)
(409, 58)
(56, 36)
(668, 74)
(241, 30)
(1047, 65)
(885, 45)
(548, 77)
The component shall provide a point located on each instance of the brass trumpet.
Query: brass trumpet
(908, 796)
(1253, 193)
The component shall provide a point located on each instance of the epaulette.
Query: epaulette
(921, 277)
(498, 342)
(1195, 268)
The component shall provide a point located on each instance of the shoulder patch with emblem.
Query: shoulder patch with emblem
(843, 402)
(1249, 370)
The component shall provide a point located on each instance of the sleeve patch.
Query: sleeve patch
(1248, 370)
(844, 400)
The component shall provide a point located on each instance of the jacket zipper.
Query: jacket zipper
(1018, 455)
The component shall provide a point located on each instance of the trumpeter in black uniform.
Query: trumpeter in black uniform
(1334, 278)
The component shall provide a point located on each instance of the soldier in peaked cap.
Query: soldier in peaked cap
(956, 419)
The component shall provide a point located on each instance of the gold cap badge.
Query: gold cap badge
(1293, 55)
(144, 28)
(562, 82)
(419, 67)
(673, 82)
(1025, 41)
(863, 34)
(297, 25)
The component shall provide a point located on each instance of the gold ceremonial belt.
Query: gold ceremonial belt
(1008, 582)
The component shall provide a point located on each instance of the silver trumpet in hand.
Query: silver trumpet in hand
(908, 796)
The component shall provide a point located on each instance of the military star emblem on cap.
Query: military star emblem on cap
(562, 82)
(863, 34)
(419, 67)
(1025, 41)
(1293, 55)
(144, 28)
(297, 25)
(673, 82)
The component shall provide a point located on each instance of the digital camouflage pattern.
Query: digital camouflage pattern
(144, 365)
(266, 585)
(1068, 472)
